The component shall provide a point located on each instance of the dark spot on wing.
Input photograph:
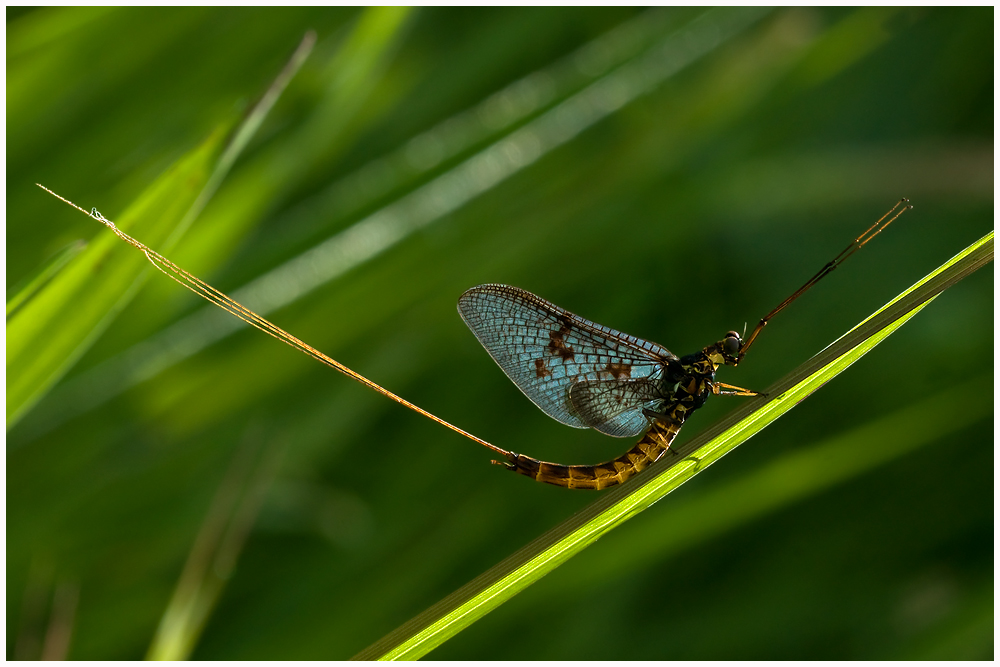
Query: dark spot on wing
(564, 322)
(620, 371)
(559, 348)
(557, 344)
(540, 369)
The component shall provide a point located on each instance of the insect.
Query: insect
(578, 372)
(587, 375)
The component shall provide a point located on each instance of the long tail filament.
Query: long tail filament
(208, 292)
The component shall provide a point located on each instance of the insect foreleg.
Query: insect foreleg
(723, 389)
(902, 206)
(653, 416)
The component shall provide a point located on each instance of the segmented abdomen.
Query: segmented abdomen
(651, 447)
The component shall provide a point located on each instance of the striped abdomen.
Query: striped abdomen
(651, 447)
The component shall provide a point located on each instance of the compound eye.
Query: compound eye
(732, 344)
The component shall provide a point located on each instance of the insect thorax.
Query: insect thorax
(686, 384)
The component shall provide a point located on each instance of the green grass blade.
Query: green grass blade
(47, 335)
(778, 485)
(28, 288)
(477, 598)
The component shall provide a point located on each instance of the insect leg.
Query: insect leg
(723, 389)
(653, 416)
(510, 464)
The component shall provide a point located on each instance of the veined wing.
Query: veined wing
(546, 350)
(614, 407)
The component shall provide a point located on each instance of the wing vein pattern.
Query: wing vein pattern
(581, 373)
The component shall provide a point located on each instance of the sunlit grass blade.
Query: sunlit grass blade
(477, 598)
(779, 484)
(48, 333)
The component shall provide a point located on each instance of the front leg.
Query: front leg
(723, 389)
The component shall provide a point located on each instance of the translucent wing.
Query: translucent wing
(546, 350)
(615, 407)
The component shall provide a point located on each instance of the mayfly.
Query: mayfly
(581, 373)
(587, 375)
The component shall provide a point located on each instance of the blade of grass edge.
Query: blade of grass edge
(460, 609)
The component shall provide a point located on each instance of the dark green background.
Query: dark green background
(687, 212)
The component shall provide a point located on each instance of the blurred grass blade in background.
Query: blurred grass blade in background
(347, 77)
(49, 333)
(477, 598)
(22, 293)
(216, 548)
